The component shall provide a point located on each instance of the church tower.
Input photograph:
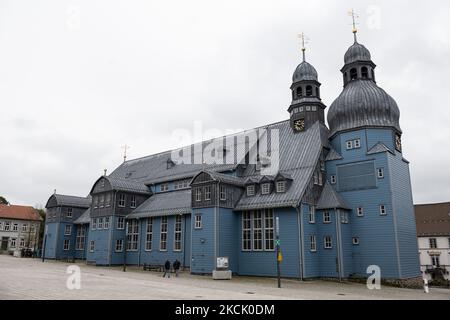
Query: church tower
(306, 107)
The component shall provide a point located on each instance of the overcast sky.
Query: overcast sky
(79, 79)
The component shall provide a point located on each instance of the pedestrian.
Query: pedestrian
(167, 269)
(176, 267)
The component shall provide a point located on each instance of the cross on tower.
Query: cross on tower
(125, 148)
(305, 40)
(354, 16)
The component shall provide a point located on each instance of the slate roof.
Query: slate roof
(85, 218)
(69, 201)
(333, 155)
(433, 219)
(299, 154)
(357, 52)
(304, 72)
(166, 203)
(125, 185)
(379, 148)
(225, 178)
(330, 199)
(19, 212)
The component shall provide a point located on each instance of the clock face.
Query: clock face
(398, 142)
(299, 125)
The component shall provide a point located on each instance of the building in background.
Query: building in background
(433, 234)
(19, 228)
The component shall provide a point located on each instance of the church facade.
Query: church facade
(341, 194)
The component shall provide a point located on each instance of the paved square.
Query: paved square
(22, 278)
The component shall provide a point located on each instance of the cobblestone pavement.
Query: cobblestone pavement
(22, 278)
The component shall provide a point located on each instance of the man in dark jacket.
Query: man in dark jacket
(167, 269)
(176, 267)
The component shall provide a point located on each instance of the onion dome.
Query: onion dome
(305, 72)
(357, 52)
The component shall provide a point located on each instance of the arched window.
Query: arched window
(309, 91)
(317, 92)
(299, 92)
(345, 77)
(364, 73)
(353, 74)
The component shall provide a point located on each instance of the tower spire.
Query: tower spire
(304, 40)
(354, 16)
(125, 148)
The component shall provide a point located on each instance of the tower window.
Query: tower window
(309, 91)
(383, 210)
(353, 74)
(299, 92)
(380, 173)
(360, 212)
(317, 92)
(345, 77)
(333, 179)
(364, 73)
(355, 241)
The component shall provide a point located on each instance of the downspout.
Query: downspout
(111, 232)
(300, 241)
(338, 236)
(139, 241)
(184, 242)
(216, 240)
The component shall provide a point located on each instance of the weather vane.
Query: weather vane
(125, 148)
(354, 16)
(305, 40)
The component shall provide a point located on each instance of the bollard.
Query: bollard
(425, 285)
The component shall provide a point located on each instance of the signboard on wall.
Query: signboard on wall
(222, 263)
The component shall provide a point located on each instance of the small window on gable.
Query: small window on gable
(349, 144)
(207, 193)
(121, 200)
(312, 214)
(364, 73)
(198, 194)
(281, 186)
(164, 187)
(309, 91)
(357, 143)
(251, 190)
(380, 173)
(69, 212)
(265, 188)
(353, 74)
(223, 193)
(133, 202)
(333, 179)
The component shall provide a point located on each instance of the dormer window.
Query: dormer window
(251, 190)
(281, 186)
(164, 187)
(265, 188)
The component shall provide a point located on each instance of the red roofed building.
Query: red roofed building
(19, 228)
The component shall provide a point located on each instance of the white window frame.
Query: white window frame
(281, 186)
(223, 193)
(133, 235)
(257, 232)
(133, 202)
(313, 243)
(164, 187)
(69, 213)
(102, 200)
(13, 243)
(163, 230)
(7, 226)
(94, 224)
(333, 179)
(66, 245)
(100, 223)
(22, 242)
(68, 230)
(360, 211)
(178, 233)
(122, 200)
(327, 244)
(198, 194)
(432, 241)
(120, 223)
(198, 223)
(91, 246)
(106, 223)
(80, 238)
(15, 227)
(312, 215)
(95, 200)
(380, 173)
(265, 188)
(149, 235)
(355, 241)
(119, 245)
(383, 210)
(207, 193)
(246, 244)
(326, 217)
(269, 230)
(250, 190)
(349, 144)
(344, 217)
(24, 227)
(357, 144)
(108, 199)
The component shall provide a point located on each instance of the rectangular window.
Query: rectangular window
(108, 200)
(326, 217)
(360, 212)
(81, 236)
(312, 214)
(66, 245)
(281, 186)
(357, 143)
(251, 190)
(95, 198)
(344, 217)
(435, 261)
(320, 178)
(316, 178)
(149, 237)
(7, 226)
(333, 179)
(94, 224)
(33, 228)
(355, 241)
(223, 193)
(91, 246)
(349, 145)
(383, 210)
(24, 228)
(313, 243)
(122, 202)
(164, 187)
(69, 212)
(106, 225)
(265, 188)
(133, 202)
(246, 231)
(433, 243)
(380, 173)
(22, 243)
(68, 230)
(121, 223)
(1, 226)
(163, 234)
(178, 230)
(13, 243)
(15, 227)
(102, 200)
(257, 230)
(198, 194)
(119, 245)
(100, 223)
(268, 230)
(207, 193)
(327, 242)
(357, 176)
(132, 235)
(198, 221)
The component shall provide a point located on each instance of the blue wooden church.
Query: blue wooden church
(342, 194)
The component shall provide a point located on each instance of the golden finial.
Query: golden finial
(304, 40)
(354, 16)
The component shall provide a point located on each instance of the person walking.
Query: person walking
(176, 267)
(167, 269)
